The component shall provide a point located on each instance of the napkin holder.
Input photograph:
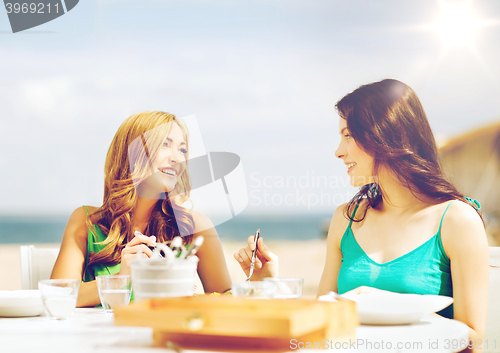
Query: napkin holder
(225, 322)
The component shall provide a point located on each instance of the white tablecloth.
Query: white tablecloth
(90, 330)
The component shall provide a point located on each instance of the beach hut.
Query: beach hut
(472, 163)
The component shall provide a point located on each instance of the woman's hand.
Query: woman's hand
(266, 262)
(140, 243)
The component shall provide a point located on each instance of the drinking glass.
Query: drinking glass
(59, 297)
(254, 289)
(287, 288)
(114, 291)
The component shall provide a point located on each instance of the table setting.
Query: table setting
(258, 316)
(92, 329)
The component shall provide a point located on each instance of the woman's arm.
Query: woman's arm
(71, 259)
(212, 267)
(333, 261)
(465, 243)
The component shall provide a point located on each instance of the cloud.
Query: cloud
(53, 99)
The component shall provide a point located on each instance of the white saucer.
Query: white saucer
(19, 303)
(395, 308)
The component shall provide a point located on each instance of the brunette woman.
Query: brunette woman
(408, 229)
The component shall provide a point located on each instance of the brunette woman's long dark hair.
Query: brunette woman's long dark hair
(387, 120)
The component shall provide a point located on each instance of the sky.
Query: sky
(261, 77)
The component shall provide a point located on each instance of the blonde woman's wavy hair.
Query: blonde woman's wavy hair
(128, 163)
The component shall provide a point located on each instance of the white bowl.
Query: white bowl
(393, 308)
(396, 308)
(18, 303)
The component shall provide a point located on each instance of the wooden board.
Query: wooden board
(229, 323)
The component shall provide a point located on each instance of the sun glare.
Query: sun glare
(458, 23)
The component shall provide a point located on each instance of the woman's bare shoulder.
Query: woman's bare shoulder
(338, 224)
(77, 223)
(201, 221)
(462, 225)
(462, 213)
(340, 214)
(91, 209)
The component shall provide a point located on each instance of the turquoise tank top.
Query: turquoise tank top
(424, 270)
(96, 235)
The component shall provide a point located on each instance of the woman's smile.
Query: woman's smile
(350, 166)
(169, 171)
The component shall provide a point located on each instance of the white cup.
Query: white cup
(59, 297)
(159, 278)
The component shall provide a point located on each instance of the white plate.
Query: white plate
(396, 308)
(19, 303)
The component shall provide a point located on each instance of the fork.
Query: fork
(254, 255)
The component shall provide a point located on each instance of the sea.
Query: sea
(49, 229)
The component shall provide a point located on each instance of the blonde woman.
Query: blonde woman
(146, 182)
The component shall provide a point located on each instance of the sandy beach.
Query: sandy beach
(304, 259)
